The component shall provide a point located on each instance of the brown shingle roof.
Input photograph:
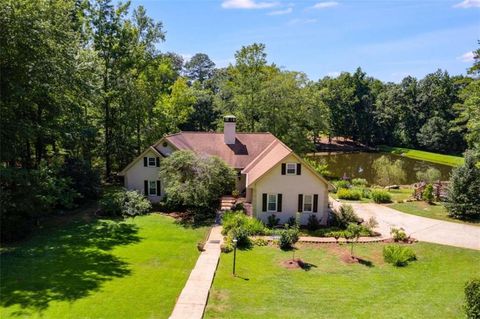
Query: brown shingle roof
(246, 148)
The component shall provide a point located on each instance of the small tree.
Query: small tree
(388, 172)
(472, 298)
(429, 176)
(463, 200)
(353, 233)
(196, 183)
(428, 194)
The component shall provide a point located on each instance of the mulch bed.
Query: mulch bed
(296, 263)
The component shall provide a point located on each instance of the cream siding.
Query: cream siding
(273, 182)
(165, 148)
(137, 174)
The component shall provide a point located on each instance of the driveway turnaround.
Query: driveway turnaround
(193, 299)
(421, 228)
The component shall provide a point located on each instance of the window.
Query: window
(272, 203)
(152, 187)
(291, 168)
(307, 203)
(152, 161)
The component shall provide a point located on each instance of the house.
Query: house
(273, 179)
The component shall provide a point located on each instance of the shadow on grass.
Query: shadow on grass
(63, 265)
(365, 262)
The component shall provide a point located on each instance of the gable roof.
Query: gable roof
(246, 148)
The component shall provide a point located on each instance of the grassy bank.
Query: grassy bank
(423, 209)
(99, 269)
(450, 160)
(431, 287)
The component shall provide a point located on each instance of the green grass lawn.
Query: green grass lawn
(431, 287)
(436, 211)
(425, 156)
(99, 269)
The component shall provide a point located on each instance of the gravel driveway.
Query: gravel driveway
(421, 228)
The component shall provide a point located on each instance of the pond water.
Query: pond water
(359, 165)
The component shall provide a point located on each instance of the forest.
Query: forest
(85, 88)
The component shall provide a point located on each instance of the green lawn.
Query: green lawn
(435, 211)
(431, 287)
(99, 269)
(425, 156)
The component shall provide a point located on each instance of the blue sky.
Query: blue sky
(388, 39)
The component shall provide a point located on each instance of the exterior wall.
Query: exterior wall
(165, 150)
(290, 186)
(137, 174)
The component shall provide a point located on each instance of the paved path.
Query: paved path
(193, 299)
(421, 228)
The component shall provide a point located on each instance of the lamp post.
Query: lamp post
(234, 253)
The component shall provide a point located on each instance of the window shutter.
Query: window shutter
(264, 202)
(299, 169)
(315, 203)
(158, 161)
(145, 161)
(300, 203)
(279, 202)
(145, 184)
(158, 187)
(284, 168)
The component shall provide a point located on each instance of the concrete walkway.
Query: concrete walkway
(421, 228)
(193, 299)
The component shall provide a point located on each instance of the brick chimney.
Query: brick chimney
(229, 122)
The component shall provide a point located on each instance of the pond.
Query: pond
(359, 165)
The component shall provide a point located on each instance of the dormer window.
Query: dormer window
(291, 168)
(152, 161)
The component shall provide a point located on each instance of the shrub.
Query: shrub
(380, 196)
(288, 237)
(428, 194)
(462, 198)
(272, 221)
(292, 221)
(359, 182)
(260, 242)
(238, 222)
(348, 194)
(235, 193)
(472, 299)
(398, 234)
(344, 216)
(313, 223)
(371, 223)
(398, 255)
(341, 184)
(366, 193)
(124, 203)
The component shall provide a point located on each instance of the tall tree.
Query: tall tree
(199, 67)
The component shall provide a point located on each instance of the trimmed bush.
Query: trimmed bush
(472, 299)
(348, 194)
(124, 203)
(313, 223)
(398, 234)
(341, 184)
(241, 223)
(380, 196)
(398, 255)
(362, 182)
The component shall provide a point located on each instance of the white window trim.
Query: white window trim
(268, 203)
(294, 169)
(304, 201)
(150, 188)
(154, 161)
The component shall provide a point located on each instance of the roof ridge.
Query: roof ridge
(259, 157)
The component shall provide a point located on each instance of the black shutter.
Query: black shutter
(315, 203)
(158, 187)
(300, 203)
(264, 202)
(145, 162)
(158, 161)
(299, 169)
(279, 202)
(284, 168)
(145, 184)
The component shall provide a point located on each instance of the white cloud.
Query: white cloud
(467, 57)
(247, 4)
(280, 12)
(328, 4)
(468, 4)
(301, 21)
